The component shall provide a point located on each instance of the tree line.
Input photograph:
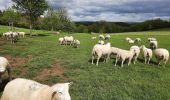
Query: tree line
(38, 14)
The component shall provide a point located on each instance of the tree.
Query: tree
(58, 20)
(10, 16)
(31, 8)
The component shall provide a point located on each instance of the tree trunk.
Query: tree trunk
(12, 26)
(30, 30)
(52, 29)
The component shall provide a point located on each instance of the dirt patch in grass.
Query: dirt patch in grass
(56, 70)
(17, 61)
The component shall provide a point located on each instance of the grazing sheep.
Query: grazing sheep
(127, 39)
(4, 66)
(21, 34)
(93, 38)
(101, 37)
(153, 44)
(137, 52)
(147, 53)
(107, 37)
(114, 50)
(61, 41)
(137, 40)
(101, 42)
(76, 43)
(14, 37)
(68, 40)
(7, 34)
(101, 50)
(131, 41)
(161, 55)
(151, 39)
(123, 55)
(24, 89)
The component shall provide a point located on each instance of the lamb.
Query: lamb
(21, 34)
(101, 42)
(101, 50)
(101, 37)
(7, 34)
(4, 66)
(153, 44)
(24, 89)
(114, 50)
(161, 54)
(93, 38)
(107, 37)
(137, 40)
(151, 39)
(137, 52)
(61, 41)
(14, 37)
(123, 55)
(68, 40)
(76, 43)
(131, 41)
(147, 53)
(127, 39)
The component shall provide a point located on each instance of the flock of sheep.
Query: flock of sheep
(69, 40)
(105, 50)
(32, 90)
(13, 36)
(24, 89)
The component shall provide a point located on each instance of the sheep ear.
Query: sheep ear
(71, 83)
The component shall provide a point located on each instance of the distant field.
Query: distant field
(42, 59)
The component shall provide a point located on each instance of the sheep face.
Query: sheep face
(61, 91)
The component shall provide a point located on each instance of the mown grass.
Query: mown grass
(103, 82)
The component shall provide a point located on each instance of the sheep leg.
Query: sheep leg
(97, 61)
(117, 58)
(145, 60)
(129, 62)
(148, 60)
(92, 59)
(122, 63)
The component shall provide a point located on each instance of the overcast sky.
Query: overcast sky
(110, 10)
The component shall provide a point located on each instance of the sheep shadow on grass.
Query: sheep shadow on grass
(95, 60)
(151, 62)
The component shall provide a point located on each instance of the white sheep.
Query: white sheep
(147, 53)
(93, 38)
(137, 52)
(151, 39)
(161, 55)
(138, 40)
(22, 34)
(131, 41)
(101, 50)
(76, 43)
(4, 66)
(24, 89)
(107, 37)
(61, 41)
(153, 44)
(101, 37)
(68, 40)
(101, 42)
(123, 55)
(114, 50)
(127, 39)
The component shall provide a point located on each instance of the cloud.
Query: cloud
(110, 10)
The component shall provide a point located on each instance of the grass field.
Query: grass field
(42, 59)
